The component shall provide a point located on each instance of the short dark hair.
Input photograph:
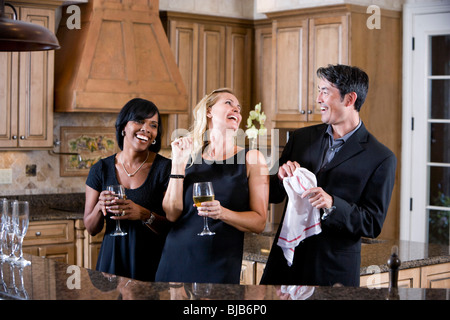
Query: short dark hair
(138, 109)
(347, 79)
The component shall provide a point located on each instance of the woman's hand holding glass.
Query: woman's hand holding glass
(116, 192)
(203, 194)
(210, 209)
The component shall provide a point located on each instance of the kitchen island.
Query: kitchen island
(423, 265)
(46, 279)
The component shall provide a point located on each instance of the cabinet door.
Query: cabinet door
(262, 81)
(92, 248)
(238, 66)
(437, 276)
(8, 99)
(328, 44)
(211, 60)
(8, 95)
(36, 87)
(183, 38)
(63, 253)
(290, 70)
(247, 272)
(49, 232)
(407, 278)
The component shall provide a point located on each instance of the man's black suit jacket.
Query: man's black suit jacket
(360, 178)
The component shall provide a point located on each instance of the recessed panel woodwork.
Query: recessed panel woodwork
(109, 48)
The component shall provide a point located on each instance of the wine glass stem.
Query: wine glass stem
(118, 225)
(205, 223)
(2, 232)
(20, 247)
(12, 245)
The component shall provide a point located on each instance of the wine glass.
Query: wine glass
(21, 227)
(3, 208)
(119, 192)
(203, 192)
(10, 221)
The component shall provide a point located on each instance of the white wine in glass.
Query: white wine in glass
(203, 192)
(119, 192)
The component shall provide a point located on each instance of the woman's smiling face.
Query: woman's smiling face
(225, 113)
(141, 133)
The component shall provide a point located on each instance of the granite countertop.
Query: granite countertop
(373, 252)
(47, 279)
(257, 247)
(54, 206)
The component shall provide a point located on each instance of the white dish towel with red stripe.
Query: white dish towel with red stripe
(301, 219)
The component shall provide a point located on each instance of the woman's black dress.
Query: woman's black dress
(188, 257)
(137, 254)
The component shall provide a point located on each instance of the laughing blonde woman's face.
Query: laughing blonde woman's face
(225, 113)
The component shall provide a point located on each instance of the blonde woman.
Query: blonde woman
(241, 185)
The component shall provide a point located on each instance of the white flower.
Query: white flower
(262, 131)
(252, 132)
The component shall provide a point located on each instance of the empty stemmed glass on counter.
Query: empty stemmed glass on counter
(15, 221)
(21, 226)
(3, 208)
(9, 215)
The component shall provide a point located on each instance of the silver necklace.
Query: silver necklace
(132, 174)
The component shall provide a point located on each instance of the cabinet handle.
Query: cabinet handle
(22, 137)
(302, 111)
(309, 111)
(38, 233)
(14, 137)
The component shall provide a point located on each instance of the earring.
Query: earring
(154, 141)
(123, 133)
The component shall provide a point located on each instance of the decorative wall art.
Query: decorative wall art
(91, 143)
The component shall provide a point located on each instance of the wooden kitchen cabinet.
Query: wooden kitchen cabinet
(247, 272)
(301, 44)
(211, 53)
(51, 239)
(87, 246)
(436, 276)
(92, 249)
(431, 277)
(26, 89)
(407, 278)
(262, 74)
(304, 40)
(251, 272)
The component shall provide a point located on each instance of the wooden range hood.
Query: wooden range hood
(120, 52)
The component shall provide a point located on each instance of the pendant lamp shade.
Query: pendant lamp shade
(18, 35)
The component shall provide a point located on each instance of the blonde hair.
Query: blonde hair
(199, 128)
